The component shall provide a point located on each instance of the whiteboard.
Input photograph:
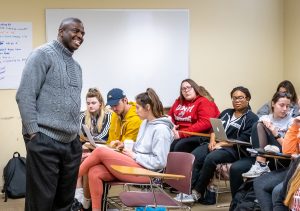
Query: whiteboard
(15, 46)
(131, 49)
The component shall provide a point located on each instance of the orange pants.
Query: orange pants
(97, 166)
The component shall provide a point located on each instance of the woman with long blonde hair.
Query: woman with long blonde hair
(96, 117)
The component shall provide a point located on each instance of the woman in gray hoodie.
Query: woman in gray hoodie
(150, 150)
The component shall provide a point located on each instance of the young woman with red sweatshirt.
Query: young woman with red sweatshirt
(191, 112)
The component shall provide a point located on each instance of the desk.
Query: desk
(275, 157)
(194, 133)
(144, 172)
(237, 143)
(144, 196)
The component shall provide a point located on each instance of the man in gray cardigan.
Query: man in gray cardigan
(49, 102)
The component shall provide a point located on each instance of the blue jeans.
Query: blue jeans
(277, 199)
(264, 185)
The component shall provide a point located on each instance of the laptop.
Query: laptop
(90, 137)
(221, 134)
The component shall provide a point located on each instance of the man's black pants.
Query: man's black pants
(51, 173)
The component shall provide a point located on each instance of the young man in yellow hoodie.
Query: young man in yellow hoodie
(125, 122)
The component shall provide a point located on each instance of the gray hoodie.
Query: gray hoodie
(153, 143)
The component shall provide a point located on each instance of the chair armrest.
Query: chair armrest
(135, 171)
(195, 133)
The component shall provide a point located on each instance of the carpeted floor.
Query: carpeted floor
(18, 204)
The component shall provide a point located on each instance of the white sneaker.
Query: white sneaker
(79, 194)
(256, 170)
(185, 198)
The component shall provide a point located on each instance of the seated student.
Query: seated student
(270, 130)
(271, 188)
(150, 150)
(284, 87)
(97, 118)
(191, 112)
(125, 124)
(237, 122)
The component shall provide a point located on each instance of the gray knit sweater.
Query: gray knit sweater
(49, 93)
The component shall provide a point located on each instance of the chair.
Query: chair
(222, 176)
(221, 181)
(175, 175)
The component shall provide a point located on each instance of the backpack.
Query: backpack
(245, 199)
(14, 175)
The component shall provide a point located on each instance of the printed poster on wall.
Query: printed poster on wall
(15, 46)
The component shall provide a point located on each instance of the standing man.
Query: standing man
(49, 104)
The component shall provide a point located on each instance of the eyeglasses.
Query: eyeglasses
(239, 98)
(284, 94)
(186, 89)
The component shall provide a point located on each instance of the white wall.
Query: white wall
(292, 42)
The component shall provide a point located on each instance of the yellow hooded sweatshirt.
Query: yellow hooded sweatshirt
(127, 128)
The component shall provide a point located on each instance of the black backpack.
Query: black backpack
(14, 175)
(245, 199)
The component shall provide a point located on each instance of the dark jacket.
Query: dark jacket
(239, 128)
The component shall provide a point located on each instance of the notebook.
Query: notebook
(221, 134)
(90, 137)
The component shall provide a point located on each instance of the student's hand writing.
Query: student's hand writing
(120, 146)
(114, 144)
(271, 127)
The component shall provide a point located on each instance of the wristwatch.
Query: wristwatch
(278, 136)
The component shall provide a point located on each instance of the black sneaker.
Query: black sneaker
(209, 198)
(76, 206)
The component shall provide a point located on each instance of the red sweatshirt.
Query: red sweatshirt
(193, 116)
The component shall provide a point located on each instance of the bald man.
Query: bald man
(49, 102)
